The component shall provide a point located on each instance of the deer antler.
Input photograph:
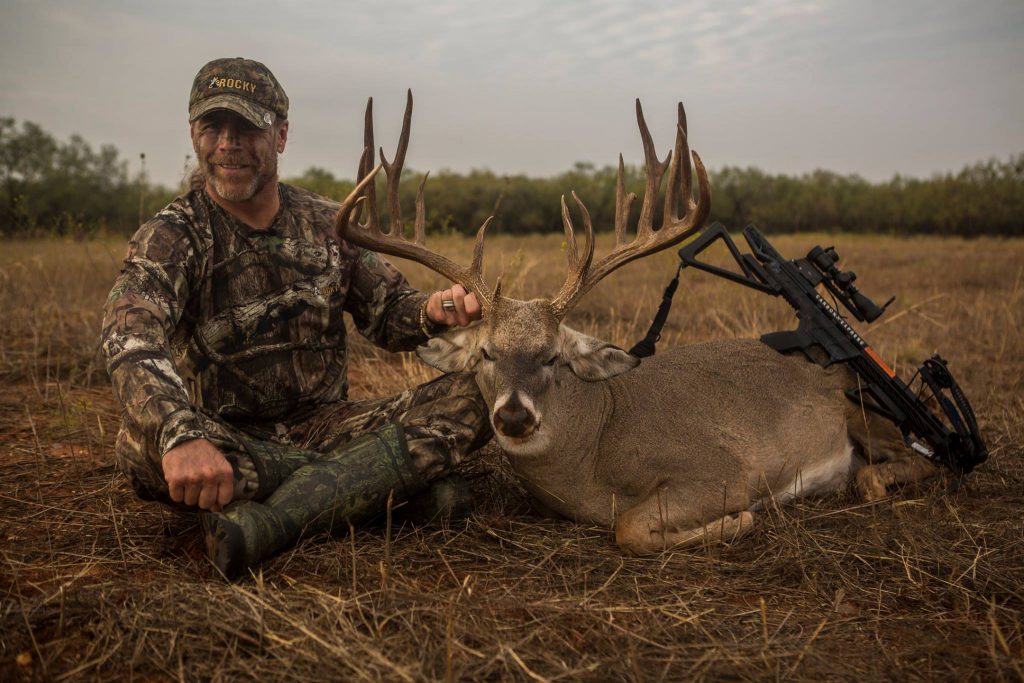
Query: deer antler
(676, 226)
(393, 241)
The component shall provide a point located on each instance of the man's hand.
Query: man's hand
(197, 473)
(463, 310)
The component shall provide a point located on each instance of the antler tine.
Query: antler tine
(655, 170)
(674, 228)
(393, 242)
(394, 169)
(353, 202)
(476, 268)
(623, 202)
(679, 187)
(702, 207)
(683, 152)
(419, 233)
(578, 267)
(365, 163)
(589, 227)
(572, 252)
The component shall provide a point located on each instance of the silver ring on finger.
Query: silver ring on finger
(447, 305)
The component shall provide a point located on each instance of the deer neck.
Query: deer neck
(565, 468)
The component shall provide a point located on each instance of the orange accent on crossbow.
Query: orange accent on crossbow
(878, 359)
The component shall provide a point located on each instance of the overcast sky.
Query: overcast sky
(527, 86)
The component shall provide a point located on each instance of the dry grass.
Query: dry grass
(929, 585)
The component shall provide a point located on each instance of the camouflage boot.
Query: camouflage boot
(274, 463)
(346, 486)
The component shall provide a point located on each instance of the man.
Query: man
(226, 345)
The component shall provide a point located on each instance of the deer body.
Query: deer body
(683, 446)
(617, 442)
(679, 449)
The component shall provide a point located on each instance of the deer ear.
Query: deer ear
(457, 350)
(592, 359)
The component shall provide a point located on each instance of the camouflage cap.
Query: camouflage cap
(242, 86)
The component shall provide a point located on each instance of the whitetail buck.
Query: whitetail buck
(676, 449)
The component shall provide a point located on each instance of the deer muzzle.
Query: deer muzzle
(514, 419)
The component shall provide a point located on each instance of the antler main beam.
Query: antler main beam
(682, 216)
(392, 240)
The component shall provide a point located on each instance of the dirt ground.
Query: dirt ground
(926, 585)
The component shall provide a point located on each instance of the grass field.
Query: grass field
(928, 585)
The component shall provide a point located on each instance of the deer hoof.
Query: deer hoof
(870, 484)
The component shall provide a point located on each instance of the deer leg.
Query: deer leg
(874, 480)
(543, 510)
(655, 525)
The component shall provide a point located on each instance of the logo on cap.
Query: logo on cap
(235, 83)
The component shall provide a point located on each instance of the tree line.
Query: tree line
(49, 186)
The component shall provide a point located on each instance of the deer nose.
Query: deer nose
(513, 419)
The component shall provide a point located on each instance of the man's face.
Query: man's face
(237, 158)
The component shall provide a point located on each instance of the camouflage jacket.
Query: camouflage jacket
(209, 314)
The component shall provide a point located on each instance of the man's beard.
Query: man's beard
(265, 171)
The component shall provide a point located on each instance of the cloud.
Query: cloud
(533, 85)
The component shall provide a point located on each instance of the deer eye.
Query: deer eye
(551, 361)
(486, 356)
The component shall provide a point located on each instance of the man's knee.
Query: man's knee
(136, 457)
(452, 424)
(446, 386)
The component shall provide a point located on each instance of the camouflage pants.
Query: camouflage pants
(443, 420)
